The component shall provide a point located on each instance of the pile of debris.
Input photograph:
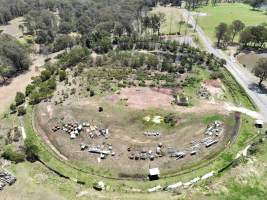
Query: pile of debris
(209, 141)
(146, 154)
(94, 132)
(6, 178)
(152, 133)
(177, 154)
(204, 93)
(75, 129)
(103, 150)
(214, 128)
(182, 100)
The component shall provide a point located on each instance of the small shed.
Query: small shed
(259, 123)
(154, 174)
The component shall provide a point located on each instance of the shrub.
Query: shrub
(100, 109)
(12, 155)
(62, 75)
(21, 111)
(216, 75)
(92, 93)
(12, 108)
(20, 98)
(29, 89)
(170, 119)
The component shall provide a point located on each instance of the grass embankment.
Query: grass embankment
(235, 93)
(228, 12)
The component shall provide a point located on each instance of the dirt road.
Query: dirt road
(13, 27)
(19, 83)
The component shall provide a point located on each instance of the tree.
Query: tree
(246, 36)
(261, 70)
(146, 22)
(156, 20)
(13, 56)
(31, 150)
(255, 36)
(63, 42)
(221, 31)
(20, 98)
(65, 27)
(236, 27)
(254, 3)
(21, 111)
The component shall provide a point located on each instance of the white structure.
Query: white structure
(154, 189)
(208, 175)
(154, 173)
(259, 123)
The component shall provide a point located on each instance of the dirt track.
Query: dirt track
(19, 83)
(13, 27)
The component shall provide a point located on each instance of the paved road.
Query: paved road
(247, 80)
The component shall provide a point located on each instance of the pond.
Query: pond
(249, 60)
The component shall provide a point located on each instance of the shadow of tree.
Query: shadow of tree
(260, 90)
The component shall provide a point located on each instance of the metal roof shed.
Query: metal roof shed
(154, 173)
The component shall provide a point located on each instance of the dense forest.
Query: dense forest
(99, 25)
(61, 24)
(14, 57)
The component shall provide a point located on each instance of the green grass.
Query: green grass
(172, 18)
(234, 92)
(227, 12)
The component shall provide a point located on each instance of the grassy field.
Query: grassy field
(227, 13)
(172, 18)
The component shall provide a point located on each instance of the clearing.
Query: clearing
(13, 27)
(125, 119)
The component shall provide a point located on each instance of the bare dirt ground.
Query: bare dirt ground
(214, 87)
(127, 130)
(144, 98)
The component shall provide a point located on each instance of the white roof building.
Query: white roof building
(154, 172)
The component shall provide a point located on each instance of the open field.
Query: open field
(171, 24)
(227, 13)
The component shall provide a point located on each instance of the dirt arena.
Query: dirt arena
(127, 127)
